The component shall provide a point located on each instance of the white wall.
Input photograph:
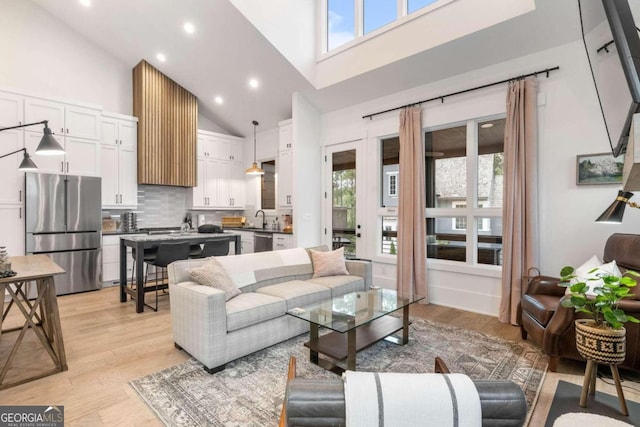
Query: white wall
(307, 188)
(570, 123)
(44, 57)
(206, 124)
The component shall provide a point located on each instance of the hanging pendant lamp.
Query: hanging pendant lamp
(254, 169)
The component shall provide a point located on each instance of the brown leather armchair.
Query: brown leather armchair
(551, 326)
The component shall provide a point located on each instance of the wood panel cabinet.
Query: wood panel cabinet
(281, 241)
(119, 162)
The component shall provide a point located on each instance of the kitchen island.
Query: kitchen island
(141, 242)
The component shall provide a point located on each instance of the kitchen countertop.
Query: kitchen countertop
(175, 236)
(259, 230)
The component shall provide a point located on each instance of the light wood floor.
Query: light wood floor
(108, 344)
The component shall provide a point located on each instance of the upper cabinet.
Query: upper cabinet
(285, 164)
(221, 180)
(11, 109)
(75, 127)
(119, 161)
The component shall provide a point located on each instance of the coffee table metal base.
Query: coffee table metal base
(339, 346)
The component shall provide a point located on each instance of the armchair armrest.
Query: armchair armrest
(361, 268)
(545, 285)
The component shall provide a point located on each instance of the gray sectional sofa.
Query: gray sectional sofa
(215, 331)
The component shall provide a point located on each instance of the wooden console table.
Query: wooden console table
(41, 314)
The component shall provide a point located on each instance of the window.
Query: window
(378, 13)
(340, 22)
(347, 20)
(464, 188)
(268, 185)
(392, 179)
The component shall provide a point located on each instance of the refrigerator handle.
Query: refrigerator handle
(66, 196)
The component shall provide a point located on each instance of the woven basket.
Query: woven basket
(601, 345)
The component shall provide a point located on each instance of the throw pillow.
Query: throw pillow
(213, 274)
(328, 263)
(591, 276)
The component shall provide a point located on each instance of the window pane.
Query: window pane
(418, 4)
(390, 168)
(443, 241)
(389, 235)
(268, 185)
(446, 167)
(378, 13)
(340, 22)
(490, 241)
(490, 163)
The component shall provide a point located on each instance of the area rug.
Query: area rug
(567, 397)
(250, 391)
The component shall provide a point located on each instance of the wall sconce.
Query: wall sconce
(254, 169)
(614, 213)
(47, 146)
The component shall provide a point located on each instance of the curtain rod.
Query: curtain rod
(442, 97)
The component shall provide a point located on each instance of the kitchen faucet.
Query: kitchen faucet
(264, 221)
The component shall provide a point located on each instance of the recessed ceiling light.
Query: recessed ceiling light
(254, 83)
(189, 28)
(161, 57)
(85, 3)
(486, 125)
(218, 100)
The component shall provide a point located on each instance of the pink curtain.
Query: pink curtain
(412, 257)
(519, 213)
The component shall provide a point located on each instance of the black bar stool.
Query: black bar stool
(167, 253)
(214, 248)
(148, 256)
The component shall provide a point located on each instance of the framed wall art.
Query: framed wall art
(600, 168)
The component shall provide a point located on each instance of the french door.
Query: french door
(344, 201)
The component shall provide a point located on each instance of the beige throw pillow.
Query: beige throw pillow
(213, 274)
(328, 263)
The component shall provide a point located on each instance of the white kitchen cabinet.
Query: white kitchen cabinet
(111, 260)
(246, 240)
(281, 241)
(285, 179)
(220, 175)
(12, 188)
(285, 141)
(12, 229)
(82, 156)
(11, 109)
(119, 162)
(64, 119)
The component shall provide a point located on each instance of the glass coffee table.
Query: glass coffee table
(357, 320)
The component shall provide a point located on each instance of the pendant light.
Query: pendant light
(254, 169)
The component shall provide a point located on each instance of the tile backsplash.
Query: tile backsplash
(165, 206)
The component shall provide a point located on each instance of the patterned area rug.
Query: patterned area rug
(249, 392)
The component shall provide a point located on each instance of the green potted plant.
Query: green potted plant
(602, 337)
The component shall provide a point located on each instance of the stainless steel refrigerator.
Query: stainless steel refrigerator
(63, 221)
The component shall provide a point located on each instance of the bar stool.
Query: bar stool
(148, 256)
(195, 251)
(167, 253)
(214, 248)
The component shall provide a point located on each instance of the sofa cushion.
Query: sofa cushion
(297, 293)
(250, 308)
(340, 285)
(328, 263)
(213, 274)
(540, 307)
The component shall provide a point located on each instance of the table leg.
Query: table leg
(238, 245)
(140, 278)
(616, 378)
(405, 325)
(123, 271)
(53, 318)
(3, 292)
(351, 349)
(313, 339)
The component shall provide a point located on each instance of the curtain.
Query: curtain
(412, 261)
(519, 214)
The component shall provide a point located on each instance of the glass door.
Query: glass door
(344, 226)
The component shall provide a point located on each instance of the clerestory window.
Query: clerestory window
(347, 20)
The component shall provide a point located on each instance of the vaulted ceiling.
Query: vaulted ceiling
(226, 50)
